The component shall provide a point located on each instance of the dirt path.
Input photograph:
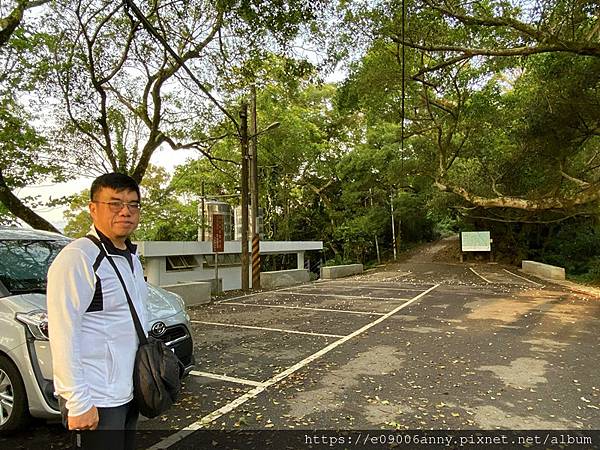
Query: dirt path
(444, 250)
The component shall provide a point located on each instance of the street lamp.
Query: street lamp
(269, 128)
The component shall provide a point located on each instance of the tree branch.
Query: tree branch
(577, 181)
(91, 66)
(20, 210)
(9, 23)
(525, 29)
(592, 194)
(179, 60)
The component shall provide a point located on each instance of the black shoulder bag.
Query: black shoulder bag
(156, 382)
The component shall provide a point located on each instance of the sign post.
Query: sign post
(218, 243)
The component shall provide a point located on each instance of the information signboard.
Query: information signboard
(218, 234)
(475, 241)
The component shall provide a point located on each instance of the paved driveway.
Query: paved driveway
(411, 346)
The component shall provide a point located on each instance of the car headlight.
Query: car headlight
(37, 322)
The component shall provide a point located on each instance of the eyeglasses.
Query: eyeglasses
(117, 205)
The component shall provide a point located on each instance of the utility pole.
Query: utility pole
(376, 240)
(254, 189)
(393, 225)
(203, 216)
(244, 179)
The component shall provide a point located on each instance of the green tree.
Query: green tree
(77, 215)
(124, 95)
(465, 87)
(299, 186)
(24, 151)
(134, 80)
(166, 216)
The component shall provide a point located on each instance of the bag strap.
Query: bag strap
(136, 320)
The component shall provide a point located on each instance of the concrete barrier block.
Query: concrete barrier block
(195, 293)
(333, 272)
(543, 270)
(282, 278)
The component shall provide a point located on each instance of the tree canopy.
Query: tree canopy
(451, 113)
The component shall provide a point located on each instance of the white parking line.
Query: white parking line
(178, 436)
(367, 297)
(297, 286)
(280, 330)
(366, 286)
(480, 276)
(253, 294)
(238, 297)
(523, 278)
(345, 311)
(216, 376)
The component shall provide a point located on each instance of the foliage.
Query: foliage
(26, 156)
(490, 117)
(470, 96)
(122, 94)
(499, 128)
(165, 216)
(6, 219)
(22, 160)
(77, 215)
(574, 246)
(134, 80)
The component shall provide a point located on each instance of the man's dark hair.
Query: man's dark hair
(117, 181)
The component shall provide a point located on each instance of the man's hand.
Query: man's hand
(86, 421)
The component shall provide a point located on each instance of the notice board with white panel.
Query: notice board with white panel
(475, 241)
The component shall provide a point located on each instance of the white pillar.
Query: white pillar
(153, 270)
(300, 259)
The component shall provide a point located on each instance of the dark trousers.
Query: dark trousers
(116, 430)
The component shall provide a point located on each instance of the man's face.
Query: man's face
(116, 225)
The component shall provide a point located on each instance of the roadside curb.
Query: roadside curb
(572, 286)
(581, 288)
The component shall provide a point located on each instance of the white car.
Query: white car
(26, 387)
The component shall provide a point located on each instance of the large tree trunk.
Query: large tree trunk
(587, 196)
(16, 207)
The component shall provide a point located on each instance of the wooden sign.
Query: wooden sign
(218, 233)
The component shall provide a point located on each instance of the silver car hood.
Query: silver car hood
(23, 303)
(161, 303)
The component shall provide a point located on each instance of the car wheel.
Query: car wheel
(14, 413)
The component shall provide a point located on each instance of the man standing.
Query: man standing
(92, 335)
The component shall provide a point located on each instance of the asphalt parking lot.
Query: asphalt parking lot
(412, 346)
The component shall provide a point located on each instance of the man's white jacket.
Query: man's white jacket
(92, 336)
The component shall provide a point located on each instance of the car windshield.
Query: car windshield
(24, 264)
